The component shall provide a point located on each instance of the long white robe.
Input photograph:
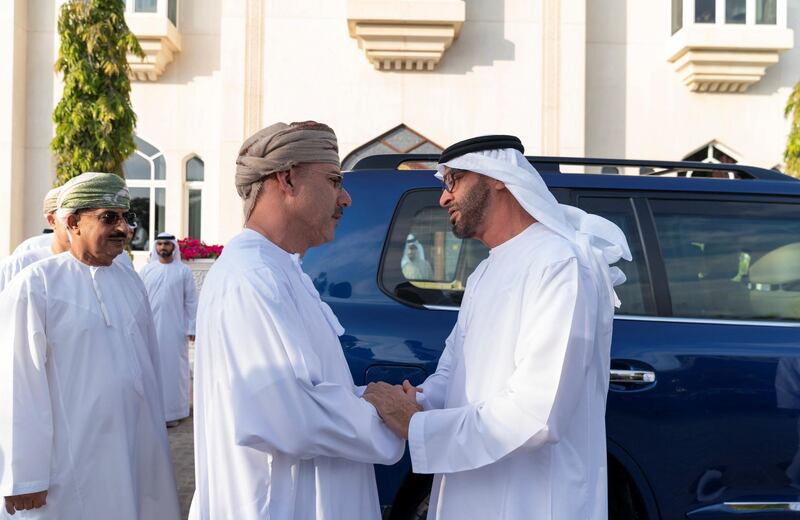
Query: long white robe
(11, 266)
(516, 420)
(80, 403)
(35, 242)
(279, 430)
(173, 299)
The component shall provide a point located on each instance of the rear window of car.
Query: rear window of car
(424, 264)
(730, 259)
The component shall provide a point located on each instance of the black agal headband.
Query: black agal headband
(478, 144)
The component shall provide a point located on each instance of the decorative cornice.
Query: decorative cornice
(726, 58)
(405, 34)
(159, 40)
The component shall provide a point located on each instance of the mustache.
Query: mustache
(118, 235)
(338, 213)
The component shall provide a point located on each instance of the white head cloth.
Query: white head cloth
(411, 240)
(599, 241)
(176, 253)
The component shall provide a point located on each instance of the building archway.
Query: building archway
(399, 140)
(713, 152)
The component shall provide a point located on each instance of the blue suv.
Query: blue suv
(703, 416)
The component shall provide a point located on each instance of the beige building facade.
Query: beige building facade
(646, 79)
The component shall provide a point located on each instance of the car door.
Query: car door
(713, 338)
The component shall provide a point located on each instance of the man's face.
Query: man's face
(101, 232)
(412, 252)
(319, 200)
(165, 248)
(467, 203)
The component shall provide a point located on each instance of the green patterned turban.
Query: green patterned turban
(95, 190)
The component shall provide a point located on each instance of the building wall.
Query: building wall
(489, 81)
(570, 77)
(637, 106)
(180, 112)
(13, 55)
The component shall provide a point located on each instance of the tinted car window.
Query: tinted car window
(636, 293)
(731, 260)
(423, 262)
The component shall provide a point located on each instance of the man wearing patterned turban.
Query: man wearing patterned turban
(281, 431)
(81, 419)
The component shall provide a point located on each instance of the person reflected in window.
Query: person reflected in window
(413, 263)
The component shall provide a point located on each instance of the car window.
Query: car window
(731, 260)
(636, 293)
(423, 263)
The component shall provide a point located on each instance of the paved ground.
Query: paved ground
(181, 443)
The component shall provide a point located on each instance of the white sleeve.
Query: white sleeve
(26, 421)
(7, 271)
(434, 389)
(276, 407)
(540, 396)
(189, 302)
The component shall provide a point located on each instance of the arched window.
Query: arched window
(146, 173)
(713, 152)
(195, 175)
(400, 139)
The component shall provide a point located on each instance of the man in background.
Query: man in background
(173, 300)
(46, 238)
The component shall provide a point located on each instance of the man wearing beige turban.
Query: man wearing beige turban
(281, 431)
(47, 237)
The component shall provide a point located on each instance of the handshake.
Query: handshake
(395, 404)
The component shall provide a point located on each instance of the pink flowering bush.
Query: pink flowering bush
(193, 249)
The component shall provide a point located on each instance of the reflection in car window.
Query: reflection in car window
(424, 263)
(413, 263)
(731, 260)
(421, 221)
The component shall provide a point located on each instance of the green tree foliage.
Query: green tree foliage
(792, 154)
(94, 119)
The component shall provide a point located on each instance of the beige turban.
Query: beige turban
(50, 202)
(277, 148)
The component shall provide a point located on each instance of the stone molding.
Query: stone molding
(726, 58)
(405, 34)
(159, 39)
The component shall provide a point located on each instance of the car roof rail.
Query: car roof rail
(543, 164)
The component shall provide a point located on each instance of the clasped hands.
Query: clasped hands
(395, 404)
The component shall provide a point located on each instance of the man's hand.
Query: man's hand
(411, 390)
(395, 404)
(24, 502)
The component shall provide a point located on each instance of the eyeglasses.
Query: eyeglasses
(336, 179)
(112, 218)
(449, 179)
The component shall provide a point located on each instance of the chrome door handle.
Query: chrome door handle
(641, 377)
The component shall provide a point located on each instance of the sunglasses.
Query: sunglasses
(112, 218)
